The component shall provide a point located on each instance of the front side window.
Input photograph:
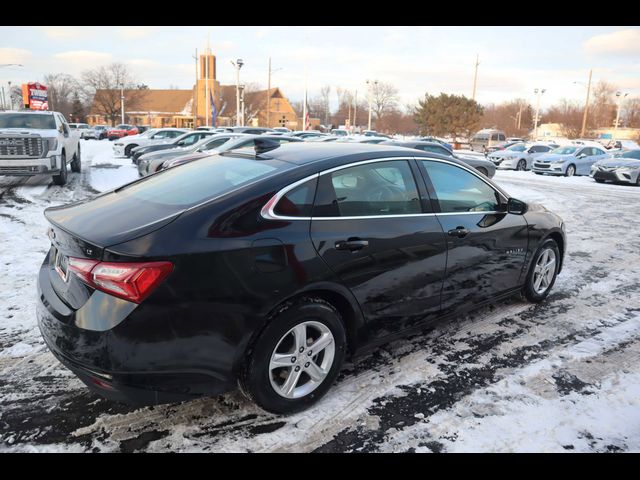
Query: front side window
(458, 190)
(379, 188)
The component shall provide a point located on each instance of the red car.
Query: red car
(122, 130)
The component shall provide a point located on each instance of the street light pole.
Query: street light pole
(535, 128)
(615, 127)
(238, 64)
(370, 86)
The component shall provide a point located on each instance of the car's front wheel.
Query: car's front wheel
(543, 271)
(571, 171)
(296, 358)
(76, 163)
(61, 178)
(522, 165)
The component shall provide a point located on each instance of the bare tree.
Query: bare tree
(61, 91)
(384, 99)
(603, 106)
(254, 100)
(325, 95)
(514, 117)
(632, 112)
(105, 83)
(569, 115)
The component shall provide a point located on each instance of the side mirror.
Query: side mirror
(517, 207)
(582, 155)
(180, 143)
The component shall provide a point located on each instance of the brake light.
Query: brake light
(131, 281)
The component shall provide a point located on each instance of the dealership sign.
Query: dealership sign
(34, 96)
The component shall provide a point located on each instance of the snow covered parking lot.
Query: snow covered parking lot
(563, 375)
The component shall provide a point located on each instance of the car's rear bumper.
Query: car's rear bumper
(124, 363)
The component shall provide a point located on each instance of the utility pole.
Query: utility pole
(122, 101)
(355, 109)
(586, 107)
(519, 116)
(269, 95)
(195, 94)
(370, 85)
(475, 77)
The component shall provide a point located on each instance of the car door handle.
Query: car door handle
(351, 245)
(458, 232)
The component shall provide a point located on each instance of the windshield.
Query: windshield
(26, 120)
(482, 136)
(564, 150)
(517, 148)
(230, 144)
(197, 181)
(148, 133)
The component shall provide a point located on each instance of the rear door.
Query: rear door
(486, 246)
(373, 227)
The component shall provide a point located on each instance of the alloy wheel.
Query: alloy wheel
(302, 359)
(544, 271)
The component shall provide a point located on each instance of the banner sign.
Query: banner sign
(34, 96)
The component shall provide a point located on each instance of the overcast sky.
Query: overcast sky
(513, 60)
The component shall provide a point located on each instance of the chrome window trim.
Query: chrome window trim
(267, 211)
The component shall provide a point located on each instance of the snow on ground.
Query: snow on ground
(563, 375)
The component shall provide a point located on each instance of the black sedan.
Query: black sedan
(483, 165)
(267, 267)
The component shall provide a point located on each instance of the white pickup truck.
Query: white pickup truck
(38, 143)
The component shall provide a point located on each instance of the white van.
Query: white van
(486, 138)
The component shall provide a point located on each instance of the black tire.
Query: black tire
(522, 165)
(600, 180)
(538, 173)
(483, 171)
(127, 150)
(255, 378)
(76, 163)
(529, 290)
(570, 171)
(61, 178)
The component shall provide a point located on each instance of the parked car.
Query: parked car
(305, 134)
(437, 140)
(322, 138)
(621, 145)
(373, 133)
(483, 165)
(515, 139)
(84, 130)
(121, 130)
(38, 143)
(502, 146)
(485, 139)
(520, 158)
(185, 140)
(268, 269)
(249, 130)
(339, 132)
(125, 145)
(281, 129)
(143, 128)
(152, 162)
(101, 131)
(245, 142)
(568, 160)
(621, 168)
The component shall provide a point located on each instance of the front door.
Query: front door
(373, 230)
(486, 246)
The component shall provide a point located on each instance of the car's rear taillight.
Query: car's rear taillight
(130, 281)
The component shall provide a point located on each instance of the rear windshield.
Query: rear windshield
(26, 120)
(517, 148)
(200, 180)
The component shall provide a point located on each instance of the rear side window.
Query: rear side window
(379, 188)
(200, 180)
(501, 137)
(298, 202)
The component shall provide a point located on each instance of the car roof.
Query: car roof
(301, 153)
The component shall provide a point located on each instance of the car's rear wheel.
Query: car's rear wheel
(76, 163)
(296, 358)
(571, 171)
(61, 178)
(522, 165)
(543, 271)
